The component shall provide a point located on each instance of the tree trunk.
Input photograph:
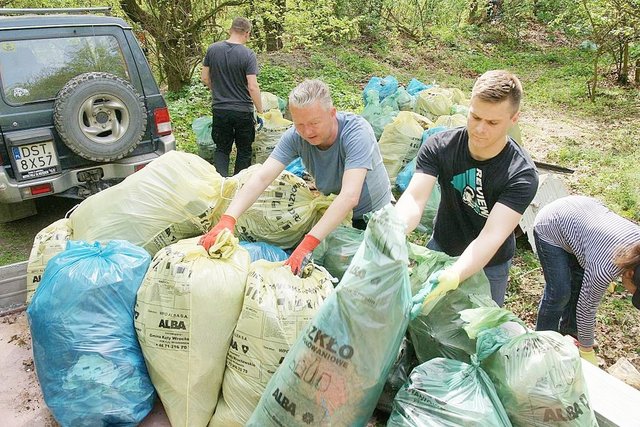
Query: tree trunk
(273, 28)
(177, 32)
(477, 13)
(177, 61)
(623, 76)
(594, 81)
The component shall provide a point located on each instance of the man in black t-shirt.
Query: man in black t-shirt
(230, 70)
(487, 182)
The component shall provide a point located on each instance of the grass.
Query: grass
(554, 78)
(601, 145)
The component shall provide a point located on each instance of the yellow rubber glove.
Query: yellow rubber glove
(438, 284)
(589, 356)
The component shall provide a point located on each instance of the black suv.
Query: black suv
(79, 107)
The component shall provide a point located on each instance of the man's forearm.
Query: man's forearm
(254, 92)
(256, 184)
(474, 258)
(337, 211)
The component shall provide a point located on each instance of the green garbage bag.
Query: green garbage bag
(405, 362)
(335, 372)
(538, 375)
(440, 332)
(377, 114)
(202, 128)
(405, 101)
(445, 392)
(336, 251)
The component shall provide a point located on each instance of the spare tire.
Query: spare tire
(100, 116)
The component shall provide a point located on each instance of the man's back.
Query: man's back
(229, 65)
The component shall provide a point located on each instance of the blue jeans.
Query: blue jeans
(563, 280)
(498, 275)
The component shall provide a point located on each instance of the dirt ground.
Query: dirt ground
(21, 401)
(617, 322)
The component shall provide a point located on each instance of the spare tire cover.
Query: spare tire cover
(100, 116)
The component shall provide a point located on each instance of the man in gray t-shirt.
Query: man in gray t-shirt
(230, 70)
(338, 149)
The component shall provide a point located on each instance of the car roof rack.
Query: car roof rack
(53, 10)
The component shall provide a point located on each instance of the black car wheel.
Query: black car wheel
(100, 116)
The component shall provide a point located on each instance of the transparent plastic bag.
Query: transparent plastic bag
(440, 332)
(446, 392)
(85, 349)
(537, 374)
(336, 370)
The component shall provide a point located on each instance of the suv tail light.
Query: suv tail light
(163, 121)
(136, 168)
(41, 189)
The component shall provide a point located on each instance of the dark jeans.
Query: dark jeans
(498, 275)
(229, 126)
(563, 280)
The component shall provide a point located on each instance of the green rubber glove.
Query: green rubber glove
(589, 356)
(438, 284)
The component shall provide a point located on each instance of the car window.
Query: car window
(35, 70)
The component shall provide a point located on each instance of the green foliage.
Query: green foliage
(276, 79)
(185, 106)
(311, 24)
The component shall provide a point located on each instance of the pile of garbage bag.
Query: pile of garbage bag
(230, 336)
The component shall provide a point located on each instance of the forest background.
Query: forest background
(579, 62)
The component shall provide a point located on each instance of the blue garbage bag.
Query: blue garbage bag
(266, 251)
(296, 167)
(403, 178)
(86, 353)
(432, 131)
(416, 86)
(384, 87)
(336, 370)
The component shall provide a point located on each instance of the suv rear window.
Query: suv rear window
(35, 70)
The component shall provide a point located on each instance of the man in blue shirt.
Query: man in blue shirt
(338, 149)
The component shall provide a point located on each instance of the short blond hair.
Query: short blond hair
(496, 86)
(241, 25)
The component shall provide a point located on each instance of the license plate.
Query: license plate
(35, 160)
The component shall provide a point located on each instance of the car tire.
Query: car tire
(100, 116)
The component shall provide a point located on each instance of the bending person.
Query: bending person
(487, 182)
(582, 247)
(338, 149)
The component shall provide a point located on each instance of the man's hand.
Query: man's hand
(300, 257)
(438, 284)
(589, 355)
(259, 119)
(226, 222)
